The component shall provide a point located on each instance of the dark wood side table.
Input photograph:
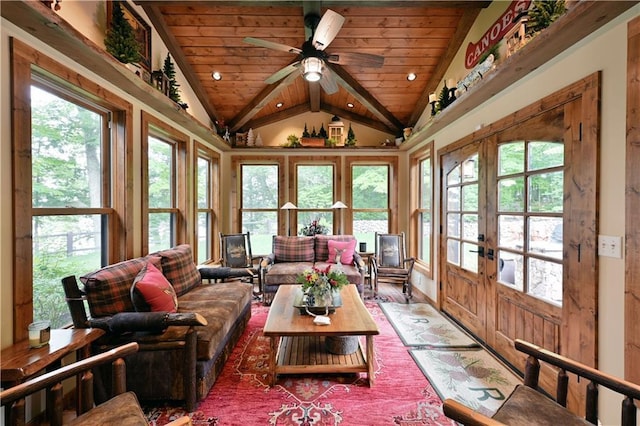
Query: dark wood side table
(366, 257)
(19, 362)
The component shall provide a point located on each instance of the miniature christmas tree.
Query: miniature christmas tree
(313, 132)
(305, 133)
(251, 139)
(169, 70)
(351, 137)
(120, 40)
(322, 133)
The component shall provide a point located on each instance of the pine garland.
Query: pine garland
(120, 40)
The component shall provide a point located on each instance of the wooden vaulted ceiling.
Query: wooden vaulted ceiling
(413, 36)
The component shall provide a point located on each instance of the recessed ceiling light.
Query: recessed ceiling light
(279, 105)
(216, 76)
(411, 76)
(350, 105)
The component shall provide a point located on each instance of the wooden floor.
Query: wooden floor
(393, 293)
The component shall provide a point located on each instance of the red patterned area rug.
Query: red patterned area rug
(401, 394)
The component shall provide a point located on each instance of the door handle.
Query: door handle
(480, 251)
(490, 254)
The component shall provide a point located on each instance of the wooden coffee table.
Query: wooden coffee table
(297, 344)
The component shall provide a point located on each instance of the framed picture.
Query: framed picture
(141, 29)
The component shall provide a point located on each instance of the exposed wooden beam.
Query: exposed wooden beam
(364, 97)
(466, 22)
(180, 59)
(349, 115)
(257, 103)
(314, 97)
(278, 116)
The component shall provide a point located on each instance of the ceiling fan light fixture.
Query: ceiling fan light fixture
(312, 69)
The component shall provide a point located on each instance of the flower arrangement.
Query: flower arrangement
(321, 282)
(313, 228)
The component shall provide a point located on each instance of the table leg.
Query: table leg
(370, 360)
(273, 353)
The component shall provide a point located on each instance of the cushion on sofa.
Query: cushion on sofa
(293, 249)
(108, 289)
(322, 245)
(286, 272)
(221, 304)
(151, 291)
(346, 249)
(179, 268)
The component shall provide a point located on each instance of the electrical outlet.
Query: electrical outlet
(610, 246)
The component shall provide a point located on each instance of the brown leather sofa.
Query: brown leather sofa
(175, 362)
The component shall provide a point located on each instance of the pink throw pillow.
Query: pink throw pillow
(155, 289)
(346, 247)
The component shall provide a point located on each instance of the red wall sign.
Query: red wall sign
(494, 34)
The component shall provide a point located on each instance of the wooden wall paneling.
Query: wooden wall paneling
(632, 209)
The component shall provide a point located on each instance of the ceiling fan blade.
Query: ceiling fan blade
(327, 29)
(357, 59)
(279, 75)
(328, 82)
(271, 45)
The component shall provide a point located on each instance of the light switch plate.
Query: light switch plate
(610, 246)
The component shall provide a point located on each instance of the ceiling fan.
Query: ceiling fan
(313, 57)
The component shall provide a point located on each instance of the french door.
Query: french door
(512, 234)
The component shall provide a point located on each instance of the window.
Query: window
(70, 211)
(70, 186)
(259, 204)
(422, 196)
(314, 196)
(164, 185)
(373, 197)
(206, 195)
(530, 217)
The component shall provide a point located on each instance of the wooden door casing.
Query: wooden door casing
(570, 115)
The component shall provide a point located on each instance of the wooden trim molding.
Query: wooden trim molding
(632, 215)
(25, 61)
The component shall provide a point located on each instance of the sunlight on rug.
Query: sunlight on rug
(401, 394)
(473, 377)
(420, 324)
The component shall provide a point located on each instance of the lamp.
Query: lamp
(312, 68)
(289, 206)
(339, 205)
(432, 101)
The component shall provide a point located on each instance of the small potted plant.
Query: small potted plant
(293, 141)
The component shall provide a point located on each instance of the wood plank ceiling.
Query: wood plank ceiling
(421, 37)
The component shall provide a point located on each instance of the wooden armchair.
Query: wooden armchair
(528, 406)
(122, 408)
(390, 263)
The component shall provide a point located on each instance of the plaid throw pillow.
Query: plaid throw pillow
(108, 289)
(293, 249)
(178, 267)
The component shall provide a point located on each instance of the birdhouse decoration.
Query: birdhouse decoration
(336, 130)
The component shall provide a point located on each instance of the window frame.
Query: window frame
(27, 62)
(202, 151)
(392, 202)
(153, 127)
(236, 202)
(336, 163)
(416, 159)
